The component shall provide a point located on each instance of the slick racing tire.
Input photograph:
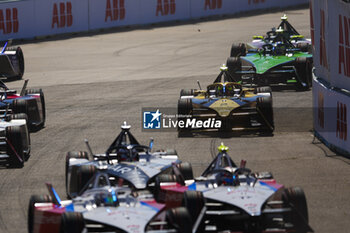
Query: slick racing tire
(32, 201)
(162, 178)
(20, 106)
(234, 65)
(186, 170)
(263, 90)
(42, 100)
(19, 116)
(15, 146)
(180, 219)
(84, 174)
(80, 175)
(187, 92)
(194, 202)
(304, 47)
(295, 197)
(238, 50)
(20, 60)
(75, 155)
(264, 106)
(184, 107)
(72, 222)
(304, 66)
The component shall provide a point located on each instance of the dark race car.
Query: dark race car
(11, 62)
(289, 32)
(102, 207)
(29, 101)
(228, 198)
(14, 141)
(276, 63)
(225, 106)
(132, 164)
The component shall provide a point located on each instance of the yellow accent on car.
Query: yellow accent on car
(224, 106)
(284, 17)
(258, 37)
(222, 148)
(280, 30)
(297, 37)
(223, 67)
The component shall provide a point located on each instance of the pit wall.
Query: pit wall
(31, 18)
(330, 31)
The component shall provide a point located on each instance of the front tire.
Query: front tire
(15, 146)
(72, 222)
(264, 107)
(32, 201)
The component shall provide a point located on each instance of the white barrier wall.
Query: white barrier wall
(30, 18)
(113, 13)
(331, 116)
(17, 20)
(153, 11)
(60, 16)
(330, 28)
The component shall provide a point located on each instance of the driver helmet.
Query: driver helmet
(122, 154)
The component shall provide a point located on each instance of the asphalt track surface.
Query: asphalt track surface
(94, 82)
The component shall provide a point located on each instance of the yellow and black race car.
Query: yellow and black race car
(225, 106)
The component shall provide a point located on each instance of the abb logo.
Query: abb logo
(342, 125)
(62, 15)
(9, 23)
(323, 51)
(166, 7)
(115, 13)
(312, 25)
(255, 1)
(344, 45)
(321, 110)
(212, 4)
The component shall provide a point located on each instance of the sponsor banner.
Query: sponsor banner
(60, 16)
(202, 8)
(339, 43)
(319, 10)
(16, 20)
(113, 13)
(152, 11)
(331, 116)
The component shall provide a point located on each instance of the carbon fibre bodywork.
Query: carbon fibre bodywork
(129, 162)
(230, 198)
(226, 101)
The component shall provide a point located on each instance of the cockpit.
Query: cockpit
(224, 89)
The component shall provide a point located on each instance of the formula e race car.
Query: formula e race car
(29, 101)
(227, 198)
(225, 106)
(131, 163)
(11, 62)
(14, 141)
(104, 208)
(289, 33)
(275, 63)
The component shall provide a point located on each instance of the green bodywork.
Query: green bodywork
(265, 63)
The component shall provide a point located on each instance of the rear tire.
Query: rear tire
(72, 222)
(186, 170)
(32, 201)
(295, 196)
(180, 219)
(263, 90)
(15, 146)
(42, 100)
(79, 179)
(264, 105)
(20, 59)
(238, 50)
(184, 107)
(187, 92)
(76, 155)
(234, 65)
(163, 178)
(304, 69)
(194, 202)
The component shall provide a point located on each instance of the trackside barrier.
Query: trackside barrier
(330, 30)
(17, 20)
(331, 116)
(49, 17)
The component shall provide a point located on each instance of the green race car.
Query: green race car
(277, 63)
